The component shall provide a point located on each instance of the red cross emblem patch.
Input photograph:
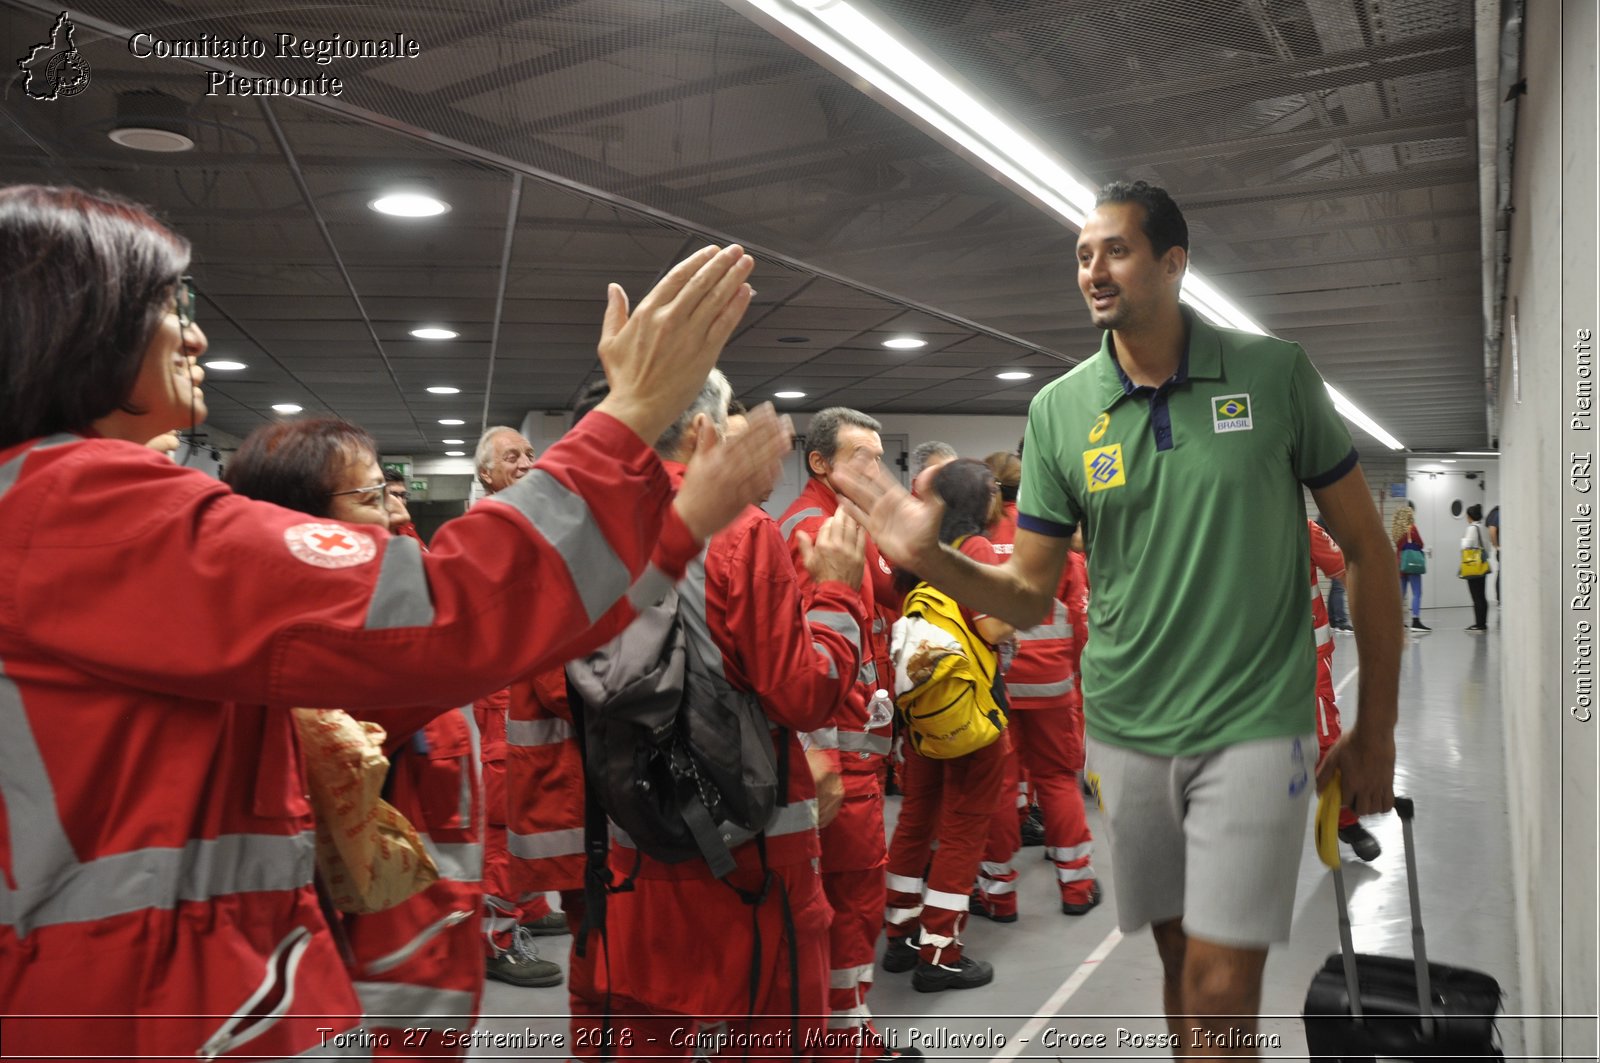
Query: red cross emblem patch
(329, 545)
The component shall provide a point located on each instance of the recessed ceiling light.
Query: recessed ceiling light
(149, 120)
(224, 364)
(1014, 374)
(904, 343)
(455, 453)
(442, 390)
(450, 421)
(434, 332)
(452, 442)
(788, 394)
(409, 205)
(1447, 461)
(286, 407)
(794, 339)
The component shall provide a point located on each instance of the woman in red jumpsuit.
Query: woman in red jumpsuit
(155, 627)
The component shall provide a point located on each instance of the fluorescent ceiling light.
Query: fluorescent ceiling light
(455, 453)
(788, 394)
(1476, 453)
(1015, 374)
(452, 442)
(904, 343)
(440, 389)
(1447, 461)
(286, 407)
(224, 364)
(434, 332)
(875, 54)
(451, 421)
(409, 205)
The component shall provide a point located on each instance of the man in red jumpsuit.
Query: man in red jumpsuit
(511, 916)
(679, 948)
(854, 852)
(1329, 559)
(1046, 725)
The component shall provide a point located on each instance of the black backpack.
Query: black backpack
(678, 758)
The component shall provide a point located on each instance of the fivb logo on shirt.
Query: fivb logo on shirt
(1230, 413)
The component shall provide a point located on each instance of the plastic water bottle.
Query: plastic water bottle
(880, 710)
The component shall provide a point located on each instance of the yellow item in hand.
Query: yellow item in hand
(1326, 830)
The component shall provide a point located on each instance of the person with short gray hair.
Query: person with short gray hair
(504, 456)
(930, 453)
(711, 403)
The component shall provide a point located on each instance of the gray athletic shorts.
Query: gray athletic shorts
(1215, 839)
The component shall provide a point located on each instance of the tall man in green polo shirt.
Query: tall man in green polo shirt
(1180, 449)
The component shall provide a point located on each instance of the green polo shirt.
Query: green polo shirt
(1199, 563)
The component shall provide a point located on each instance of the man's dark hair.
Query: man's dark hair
(737, 408)
(970, 499)
(393, 476)
(1163, 221)
(297, 464)
(592, 395)
(822, 434)
(87, 279)
(1475, 511)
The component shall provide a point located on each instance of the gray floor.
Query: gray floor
(1062, 981)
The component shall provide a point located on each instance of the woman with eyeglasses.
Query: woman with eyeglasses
(155, 628)
(424, 956)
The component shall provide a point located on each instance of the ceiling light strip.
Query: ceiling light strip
(512, 209)
(847, 36)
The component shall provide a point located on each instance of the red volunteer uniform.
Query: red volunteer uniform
(952, 802)
(505, 903)
(1047, 738)
(679, 946)
(419, 965)
(853, 849)
(154, 629)
(1326, 556)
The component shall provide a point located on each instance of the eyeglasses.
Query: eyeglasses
(365, 496)
(185, 301)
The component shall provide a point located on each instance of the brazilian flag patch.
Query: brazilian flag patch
(1230, 413)
(1103, 469)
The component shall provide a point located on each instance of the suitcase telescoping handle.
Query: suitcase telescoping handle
(1419, 945)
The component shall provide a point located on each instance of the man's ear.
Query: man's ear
(1175, 262)
(817, 463)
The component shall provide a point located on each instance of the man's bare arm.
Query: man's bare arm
(906, 530)
(1364, 754)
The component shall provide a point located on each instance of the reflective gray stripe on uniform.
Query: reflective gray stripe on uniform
(651, 586)
(563, 519)
(1057, 627)
(692, 608)
(833, 619)
(868, 673)
(788, 525)
(1068, 853)
(1074, 874)
(471, 771)
(1041, 690)
(400, 955)
(54, 887)
(402, 597)
(1324, 635)
(534, 733)
(878, 625)
(822, 651)
(347, 1047)
(545, 844)
(849, 977)
(400, 1000)
(864, 742)
(13, 468)
(794, 818)
(822, 738)
(458, 861)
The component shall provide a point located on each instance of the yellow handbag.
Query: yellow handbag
(1474, 560)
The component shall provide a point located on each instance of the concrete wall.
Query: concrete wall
(1550, 756)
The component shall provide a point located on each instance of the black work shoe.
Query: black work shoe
(899, 1055)
(1418, 625)
(521, 966)
(1032, 832)
(967, 973)
(1361, 840)
(978, 906)
(900, 955)
(548, 925)
(1073, 908)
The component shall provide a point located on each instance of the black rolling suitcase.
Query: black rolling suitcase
(1362, 1007)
